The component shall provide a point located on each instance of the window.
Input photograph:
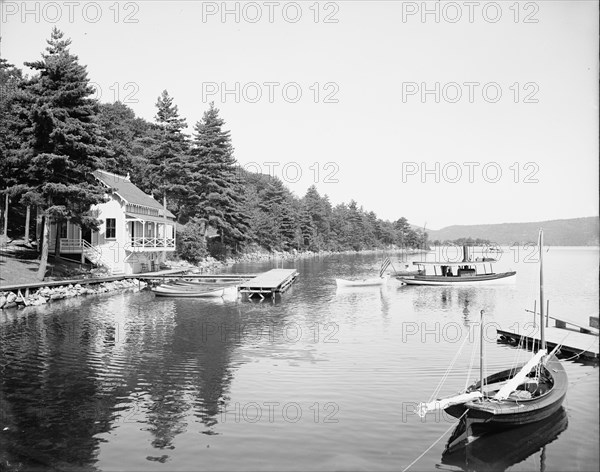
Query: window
(111, 228)
(63, 230)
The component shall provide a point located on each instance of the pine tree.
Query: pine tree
(276, 226)
(402, 230)
(63, 141)
(10, 81)
(219, 199)
(168, 158)
(125, 134)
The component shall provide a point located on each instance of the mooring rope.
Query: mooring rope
(445, 376)
(580, 352)
(434, 443)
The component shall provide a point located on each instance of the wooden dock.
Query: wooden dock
(270, 283)
(205, 277)
(574, 339)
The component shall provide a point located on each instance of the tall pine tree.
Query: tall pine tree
(63, 141)
(215, 185)
(10, 81)
(167, 158)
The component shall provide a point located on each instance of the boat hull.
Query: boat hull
(168, 292)
(489, 415)
(458, 281)
(361, 283)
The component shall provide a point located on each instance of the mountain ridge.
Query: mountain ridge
(561, 232)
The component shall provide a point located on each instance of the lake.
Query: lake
(321, 379)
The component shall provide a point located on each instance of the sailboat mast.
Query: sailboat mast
(481, 355)
(542, 305)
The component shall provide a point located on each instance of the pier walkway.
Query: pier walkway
(270, 283)
(573, 338)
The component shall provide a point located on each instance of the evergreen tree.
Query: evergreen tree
(402, 231)
(63, 141)
(219, 198)
(167, 175)
(125, 134)
(190, 245)
(10, 81)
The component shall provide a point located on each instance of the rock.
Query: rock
(11, 297)
(38, 301)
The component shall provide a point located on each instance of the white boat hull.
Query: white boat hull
(361, 283)
(169, 292)
(508, 277)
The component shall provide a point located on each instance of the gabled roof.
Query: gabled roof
(127, 191)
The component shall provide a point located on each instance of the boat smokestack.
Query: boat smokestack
(465, 253)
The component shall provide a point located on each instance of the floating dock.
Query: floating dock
(270, 283)
(574, 339)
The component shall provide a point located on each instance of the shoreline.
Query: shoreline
(210, 263)
(46, 294)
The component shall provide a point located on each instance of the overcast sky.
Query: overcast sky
(331, 93)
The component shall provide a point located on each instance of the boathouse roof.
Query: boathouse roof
(127, 191)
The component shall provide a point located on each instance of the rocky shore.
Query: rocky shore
(48, 294)
(210, 264)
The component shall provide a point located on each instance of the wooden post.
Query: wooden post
(542, 337)
(38, 226)
(547, 311)
(44, 257)
(165, 229)
(27, 219)
(5, 232)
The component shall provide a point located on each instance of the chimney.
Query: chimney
(465, 253)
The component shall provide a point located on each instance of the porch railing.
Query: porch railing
(150, 242)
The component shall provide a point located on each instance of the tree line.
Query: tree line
(54, 134)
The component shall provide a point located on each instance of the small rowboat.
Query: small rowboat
(207, 283)
(230, 288)
(362, 282)
(187, 292)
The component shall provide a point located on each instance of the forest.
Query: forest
(54, 134)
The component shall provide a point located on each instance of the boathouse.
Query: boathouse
(135, 235)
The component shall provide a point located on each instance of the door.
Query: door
(86, 235)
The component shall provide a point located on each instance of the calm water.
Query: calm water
(322, 380)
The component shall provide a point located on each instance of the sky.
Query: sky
(442, 112)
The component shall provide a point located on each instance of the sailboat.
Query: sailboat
(512, 397)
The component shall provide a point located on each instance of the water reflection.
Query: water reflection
(454, 299)
(501, 450)
(69, 377)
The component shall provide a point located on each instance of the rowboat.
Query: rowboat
(229, 288)
(209, 282)
(465, 272)
(369, 282)
(512, 397)
(187, 291)
(361, 282)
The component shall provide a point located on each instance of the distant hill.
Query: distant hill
(571, 232)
